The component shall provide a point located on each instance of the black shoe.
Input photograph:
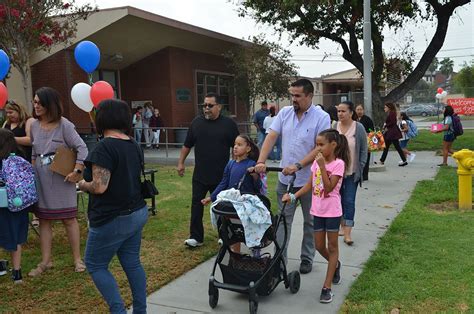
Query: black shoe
(3, 267)
(306, 267)
(403, 164)
(16, 276)
(337, 275)
(326, 296)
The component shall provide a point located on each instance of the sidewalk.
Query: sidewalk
(378, 203)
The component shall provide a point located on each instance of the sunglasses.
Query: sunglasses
(210, 106)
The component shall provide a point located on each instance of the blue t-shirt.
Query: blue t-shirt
(233, 172)
(259, 116)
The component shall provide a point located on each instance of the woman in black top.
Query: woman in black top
(18, 121)
(368, 126)
(117, 211)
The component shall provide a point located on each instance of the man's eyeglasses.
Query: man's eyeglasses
(210, 106)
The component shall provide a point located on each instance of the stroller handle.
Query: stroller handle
(278, 169)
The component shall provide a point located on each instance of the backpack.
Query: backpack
(19, 178)
(457, 125)
(412, 129)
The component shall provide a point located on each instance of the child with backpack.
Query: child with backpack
(409, 131)
(13, 224)
(449, 133)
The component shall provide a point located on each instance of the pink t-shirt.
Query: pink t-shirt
(327, 205)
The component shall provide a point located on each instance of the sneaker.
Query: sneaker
(306, 267)
(192, 243)
(16, 276)
(337, 275)
(3, 267)
(411, 157)
(403, 164)
(326, 295)
(220, 242)
(442, 165)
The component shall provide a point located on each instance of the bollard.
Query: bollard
(465, 161)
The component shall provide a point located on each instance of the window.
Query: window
(220, 84)
(109, 76)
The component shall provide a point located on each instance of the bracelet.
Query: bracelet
(292, 198)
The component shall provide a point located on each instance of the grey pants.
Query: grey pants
(307, 244)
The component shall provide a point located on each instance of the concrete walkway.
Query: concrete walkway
(378, 203)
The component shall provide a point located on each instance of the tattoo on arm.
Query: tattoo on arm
(100, 179)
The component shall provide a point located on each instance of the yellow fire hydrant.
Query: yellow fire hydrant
(465, 160)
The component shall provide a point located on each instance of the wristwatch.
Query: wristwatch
(298, 165)
(78, 171)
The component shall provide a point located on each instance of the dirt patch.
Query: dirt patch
(444, 207)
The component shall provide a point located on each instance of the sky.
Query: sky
(221, 16)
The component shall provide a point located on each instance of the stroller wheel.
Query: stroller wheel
(294, 279)
(213, 297)
(253, 306)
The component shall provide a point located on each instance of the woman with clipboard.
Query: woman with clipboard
(51, 133)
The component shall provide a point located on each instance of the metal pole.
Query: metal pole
(367, 60)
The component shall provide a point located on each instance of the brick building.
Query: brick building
(145, 57)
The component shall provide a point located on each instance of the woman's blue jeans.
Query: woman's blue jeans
(348, 197)
(122, 237)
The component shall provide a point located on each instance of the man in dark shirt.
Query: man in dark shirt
(212, 135)
(258, 118)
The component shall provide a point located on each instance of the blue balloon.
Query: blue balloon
(4, 64)
(87, 55)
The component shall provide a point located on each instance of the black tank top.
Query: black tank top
(21, 132)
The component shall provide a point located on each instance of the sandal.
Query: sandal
(348, 242)
(35, 222)
(79, 267)
(41, 268)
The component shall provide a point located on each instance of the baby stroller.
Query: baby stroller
(252, 274)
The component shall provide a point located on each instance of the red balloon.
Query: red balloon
(3, 95)
(101, 90)
(439, 90)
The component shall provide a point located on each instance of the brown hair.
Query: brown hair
(23, 115)
(51, 101)
(8, 144)
(254, 151)
(391, 107)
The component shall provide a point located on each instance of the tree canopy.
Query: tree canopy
(308, 22)
(27, 26)
(464, 80)
(262, 70)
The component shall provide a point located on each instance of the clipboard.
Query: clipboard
(64, 161)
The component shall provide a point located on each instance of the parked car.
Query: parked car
(421, 110)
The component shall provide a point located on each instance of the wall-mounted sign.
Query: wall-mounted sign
(183, 95)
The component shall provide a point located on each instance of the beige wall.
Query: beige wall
(15, 88)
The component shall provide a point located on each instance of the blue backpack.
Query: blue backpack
(412, 129)
(19, 179)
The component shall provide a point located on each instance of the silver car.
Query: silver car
(421, 110)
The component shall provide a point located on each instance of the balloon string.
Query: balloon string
(90, 79)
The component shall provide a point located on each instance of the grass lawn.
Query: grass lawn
(435, 118)
(424, 263)
(163, 254)
(433, 141)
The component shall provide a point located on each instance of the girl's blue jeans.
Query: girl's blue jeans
(122, 237)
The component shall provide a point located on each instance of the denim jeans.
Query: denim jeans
(348, 197)
(275, 154)
(260, 138)
(121, 236)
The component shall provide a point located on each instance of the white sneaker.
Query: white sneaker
(220, 242)
(411, 157)
(192, 243)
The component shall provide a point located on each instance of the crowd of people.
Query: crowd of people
(327, 152)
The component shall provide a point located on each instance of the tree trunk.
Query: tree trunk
(378, 115)
(27, 86)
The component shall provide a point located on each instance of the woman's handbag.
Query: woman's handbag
(375, 141)
(148, 188)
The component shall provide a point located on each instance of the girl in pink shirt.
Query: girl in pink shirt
(328, 170)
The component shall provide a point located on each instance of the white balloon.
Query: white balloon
(439, 96)
(444, 93)
(81, 96)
